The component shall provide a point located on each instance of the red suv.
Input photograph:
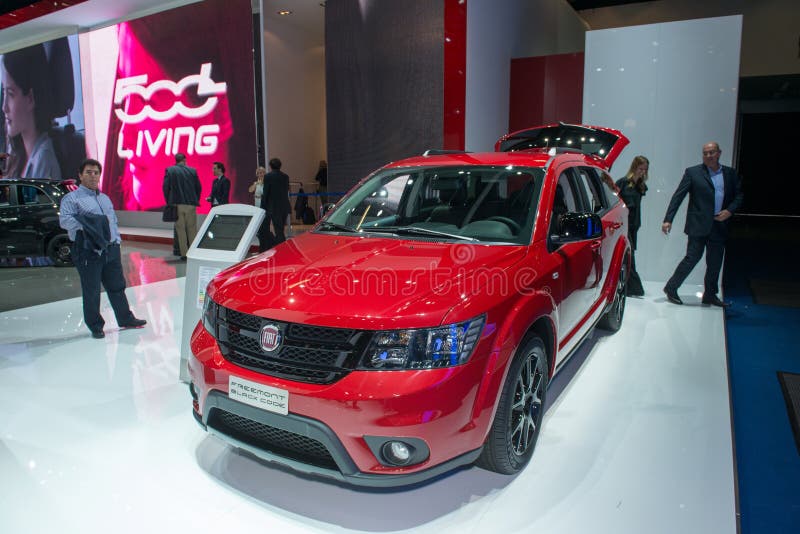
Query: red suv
(417, 326)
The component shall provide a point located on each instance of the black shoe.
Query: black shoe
(672, 296)
(713, 300)
(134, 323)
(98, 334)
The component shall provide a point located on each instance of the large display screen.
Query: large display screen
(41, 111)
(179, 81)
(224, 232)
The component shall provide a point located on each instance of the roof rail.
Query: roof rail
(440, 152)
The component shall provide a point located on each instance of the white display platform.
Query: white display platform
(97, 436)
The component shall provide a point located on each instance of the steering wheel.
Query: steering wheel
(515, 228)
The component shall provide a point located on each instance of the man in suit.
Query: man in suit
(715, 193)
(275, 202)
(221, 187)
(182, 188)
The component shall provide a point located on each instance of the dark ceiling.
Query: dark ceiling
(14, 12)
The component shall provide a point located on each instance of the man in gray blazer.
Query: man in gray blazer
(715, 193)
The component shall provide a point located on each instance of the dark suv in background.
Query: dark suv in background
(29, 219)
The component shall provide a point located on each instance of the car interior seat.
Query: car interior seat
(69, 144)
(453, 206)
(518, 203)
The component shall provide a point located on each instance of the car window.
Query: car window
(564, 201)
(566, 198)
(596, 201)
(485, 203)
(30, 195)
(5, 195)
(607, 187)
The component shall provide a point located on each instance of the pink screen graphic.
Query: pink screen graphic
(183, 82)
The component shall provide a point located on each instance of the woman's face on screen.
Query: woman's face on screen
(17, 106)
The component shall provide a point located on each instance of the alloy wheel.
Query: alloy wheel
(526, 410)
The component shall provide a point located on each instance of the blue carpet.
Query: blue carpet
(763, 340)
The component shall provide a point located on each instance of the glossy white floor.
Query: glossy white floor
(97, 436)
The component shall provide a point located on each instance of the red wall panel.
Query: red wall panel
(545, 89)
(455, 74)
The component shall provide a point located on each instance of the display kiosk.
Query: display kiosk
(224, 239)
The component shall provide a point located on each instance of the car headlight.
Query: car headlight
(428, 348)
(210, 316)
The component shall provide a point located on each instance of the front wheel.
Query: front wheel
(612, 319)
(58, 250)
(518, 421)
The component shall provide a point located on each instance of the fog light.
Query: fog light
(397, 452)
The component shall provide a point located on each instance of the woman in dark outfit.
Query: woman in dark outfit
(631, 190)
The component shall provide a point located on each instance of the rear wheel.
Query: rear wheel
(518, 421)
(58, 250)
(612, 319)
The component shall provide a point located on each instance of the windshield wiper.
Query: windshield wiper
(336, 226)
(416, 230)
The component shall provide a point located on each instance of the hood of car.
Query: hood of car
(368, 282)
(602, 144)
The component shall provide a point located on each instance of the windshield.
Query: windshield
(472, 203)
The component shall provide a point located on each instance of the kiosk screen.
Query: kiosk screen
(224, 232)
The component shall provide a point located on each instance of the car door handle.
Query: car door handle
(9, 219)
(595, 245)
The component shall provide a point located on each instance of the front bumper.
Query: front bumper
(310, 435)
(328, 427)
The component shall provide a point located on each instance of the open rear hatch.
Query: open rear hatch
(603, 144)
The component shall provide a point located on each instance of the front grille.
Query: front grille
(275, 440)
(252, 322)
(315, 333)
(311, 354)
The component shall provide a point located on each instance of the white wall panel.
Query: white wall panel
(294, 81)
(670, 88)
(496, 33)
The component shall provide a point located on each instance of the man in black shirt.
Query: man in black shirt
(274, 201)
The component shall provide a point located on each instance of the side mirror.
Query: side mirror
(574, 227)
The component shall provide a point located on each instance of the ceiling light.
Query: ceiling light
(284, 12)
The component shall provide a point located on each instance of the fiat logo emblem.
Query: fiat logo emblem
(270, 337)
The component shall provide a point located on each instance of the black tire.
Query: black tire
(612, 319)
(58, 250)
(518, 421)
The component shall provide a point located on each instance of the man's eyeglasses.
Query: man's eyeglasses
(710, 152)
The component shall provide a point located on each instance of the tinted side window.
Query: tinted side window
(594, 201)
(607, 187)
(30, 195)
(588, 198)
(566, 199)
(5, 195)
